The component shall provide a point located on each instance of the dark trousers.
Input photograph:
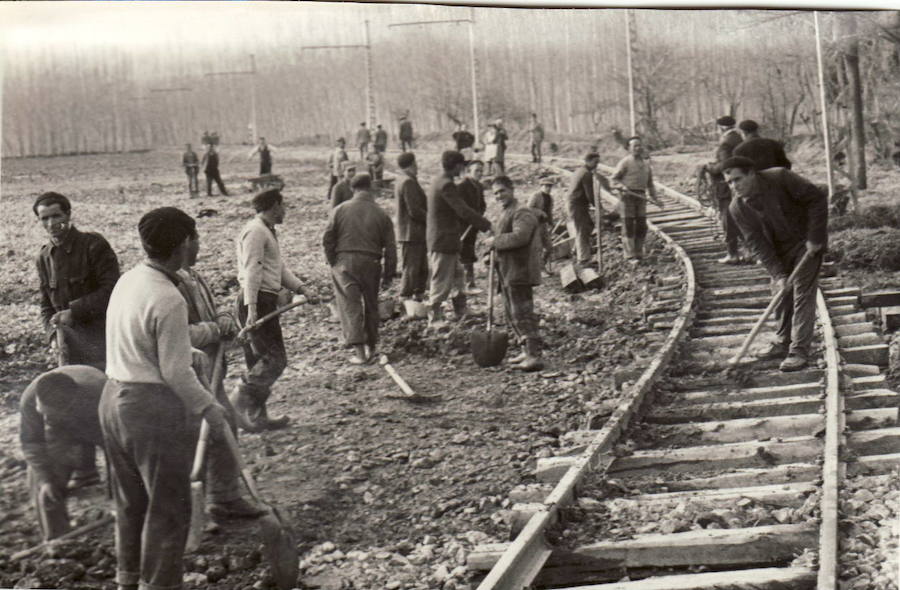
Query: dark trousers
(83, 345)
(467, 248)
(356, 277)
(150, 442)
(414, 265)
(332, 180)
(65, 458)
(265, 167)
(519, 303)
(406, 145)
(796, 314)
(535, 151)
(634, 225)
(215, 176)
(729, 226)
(193, 182)
(580, 214)
(264, 352)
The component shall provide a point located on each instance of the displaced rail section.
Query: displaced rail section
(730, 478)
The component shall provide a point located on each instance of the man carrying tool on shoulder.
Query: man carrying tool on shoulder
(151, 407)
(784, 219)
(58, 417)
(633, 179)
(579, 201)
(210, 329)
(262, 274)
(517, 242)
(358, 237)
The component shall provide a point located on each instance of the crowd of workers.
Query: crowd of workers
(137, 352)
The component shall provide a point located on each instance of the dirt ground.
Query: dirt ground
(382, 493)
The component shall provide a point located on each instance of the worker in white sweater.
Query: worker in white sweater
(151, 407)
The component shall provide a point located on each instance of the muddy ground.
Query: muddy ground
(382, 493)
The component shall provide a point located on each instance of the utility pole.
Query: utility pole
(252, 73)
(370, 94)
(473, 63)
(823, 106)
(630, 36)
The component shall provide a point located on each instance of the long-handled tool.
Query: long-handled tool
(260, 321)
(788, 284)
(408, 393)
(597, 211)
(198, 495)
(278, 539)
(489, 348)
(74, 533)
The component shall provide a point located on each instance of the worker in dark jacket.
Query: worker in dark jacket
(472, 193)
(543, 202)
(766, 153)
(58, 416)
(341, 191)
(783, 216)
(412, 216)
(381, 139)
(448, 217)
(406, 133)
(579, 200)
(358, 237)
(730, 138)
(210, 165)
(77, 272)
(191, 163)
(517, 242)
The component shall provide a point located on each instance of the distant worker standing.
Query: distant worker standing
(448, 216)
(210, 164)
(472, 192)
(381, 139)
(499, 139)
(783, 217)
(335, 160)
(341, 191)
(766, 153)
(376, 167)
(730, 138)
(265, 156)
(363, 138)
(406, 134)
(537, 138)
(517, 242)
(411, 219)
(579, 201)
(191, 163)
(634, 180)
(543, 201)
(359, 236)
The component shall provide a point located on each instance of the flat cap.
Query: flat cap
(164, 229)
(361, 181)
(748, 125)
(406, 159)
(726, 121)
(738, 162)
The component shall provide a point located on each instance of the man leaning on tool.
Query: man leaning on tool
(783, 216)
(58, 417)
(518, 244)
(448, 216)
(634, 178)
(262, 274)
(77, 272)
(210, 328)
(358, 237)
(729, 139)
(151, 407)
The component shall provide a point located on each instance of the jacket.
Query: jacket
(766, 153)
(581, 190)
(412, 206)
(519, 246)
(340, 193)
(448, 216)
(361, 226)
(779, 216)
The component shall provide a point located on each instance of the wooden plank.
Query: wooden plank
(883, 298)
(883, 441)
(568, 278)
(873, 464)
(758, 579)
(850, 318)
(861, 370)
(793, 472)
(786, 406)
(852, 329)
(714, 457)
(864, 339)
(785, 495)
(874, 354)
(735, 394)
(742, 430)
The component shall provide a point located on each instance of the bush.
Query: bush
(869, 218)
(876, 249)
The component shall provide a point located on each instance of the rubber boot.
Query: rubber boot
(246, 408)
(272, 423)
(460, 308)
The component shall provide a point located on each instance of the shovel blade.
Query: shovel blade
(198, 516)
(280, 549)
(488, 348)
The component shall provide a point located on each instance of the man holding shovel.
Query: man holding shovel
(151, 407)
(358, 237)
(517, 243)
(262, 274)
(784, 220)
(472, 193)
(634, 180)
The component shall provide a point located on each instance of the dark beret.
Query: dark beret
(451, 159)
(163, 230)
(726, 121)
(361, 181)
(50, 199)
(406, 159)
(748, 125)
(591, 156)
(738, 162)
(266, 200)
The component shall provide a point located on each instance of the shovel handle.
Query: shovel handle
(231, 444)
(490, 322)
(260, 321)
(203, 440)
(400, 381)
(76, 532)
(765, 315)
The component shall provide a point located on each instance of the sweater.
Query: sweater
(260, 267)
(412, 209)
(448, 216)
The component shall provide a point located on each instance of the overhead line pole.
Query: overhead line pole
(629, 41)
(473, 63)
(824, 106)
(250, 72)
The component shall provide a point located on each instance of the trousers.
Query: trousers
(796, 314)
(634, 225)
(535, 151)
(580, 214)
(414, 265)
(356, 277)
(53, 516)
(193, 182)
(150, 442)
(729, 226)
(215, 176)
(264, 351)
(447, 280)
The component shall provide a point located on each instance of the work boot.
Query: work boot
(776, 350)
(272, 423)
(83, 479)
(436, 318)
(460, 308)
(730, 259)
(246, 409)
(237, 508)
(532, 360)
(793, 362)
(518, 358)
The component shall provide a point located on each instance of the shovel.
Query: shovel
(408, 393)
(198, 495)
(732, 363)
(278, 539)
(489, 348)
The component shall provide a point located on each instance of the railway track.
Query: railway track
(703, 479)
